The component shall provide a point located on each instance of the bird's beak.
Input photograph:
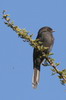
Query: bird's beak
(53, 30)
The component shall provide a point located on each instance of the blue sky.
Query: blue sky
(16, 56)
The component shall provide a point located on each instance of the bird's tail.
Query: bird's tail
(35, 78)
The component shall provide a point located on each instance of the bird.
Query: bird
(45, 36)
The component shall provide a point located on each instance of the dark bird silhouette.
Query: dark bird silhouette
(46, 37)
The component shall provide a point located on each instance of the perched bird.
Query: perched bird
(46, 37)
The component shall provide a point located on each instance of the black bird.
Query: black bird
(46, 37)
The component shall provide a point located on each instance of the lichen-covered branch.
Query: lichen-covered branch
(36, 44)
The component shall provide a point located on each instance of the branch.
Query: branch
(22, 33)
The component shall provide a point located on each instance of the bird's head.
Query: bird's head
(46, 29)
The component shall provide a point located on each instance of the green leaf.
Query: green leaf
(60, 77)
(63, 82)
(57, 64)
(53, 73)
(53, 70)
(51, 53)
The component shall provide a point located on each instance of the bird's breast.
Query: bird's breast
(47, 39)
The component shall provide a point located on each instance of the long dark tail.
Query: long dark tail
(35, 78)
